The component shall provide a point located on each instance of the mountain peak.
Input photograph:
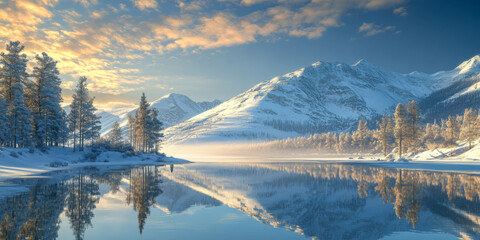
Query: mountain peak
(472, 64)
(364, 63)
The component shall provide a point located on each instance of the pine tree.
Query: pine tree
(361, 134)
(14, 78)
(44, 102)
(450, 130)
(413, 125)
(83, 122)
(469, 129)
(400, 130)
(3, 122)
(131, 130)
(141, 124)
(154, 128)
(384, 134)
(63, 129)
(92, 122)
(115, 136)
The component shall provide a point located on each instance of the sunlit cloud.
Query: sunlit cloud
(91, 38)
(145, 4)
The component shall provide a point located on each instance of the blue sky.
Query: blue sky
(210, 49)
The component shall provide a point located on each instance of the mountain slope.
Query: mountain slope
(463, 91)
(173, 108)
(321, 97)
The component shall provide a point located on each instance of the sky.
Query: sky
(216, 49)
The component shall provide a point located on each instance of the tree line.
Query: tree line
(400, 133)
(31, 114)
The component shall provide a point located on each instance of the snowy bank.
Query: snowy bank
(23, 162)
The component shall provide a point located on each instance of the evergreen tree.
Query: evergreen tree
(361, 134)
(115, 136)
(63, 129)
(400, 130)
(131, 130)
(3, 122)
(450, 130)
(14, 77)
(84, 124)
(146, 128)
(384, 134)
(413, 125)
(469, 129)
(154, 128)
(141, 124)
(44, 102)
(92, 122)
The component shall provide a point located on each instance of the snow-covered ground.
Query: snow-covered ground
(20, 162)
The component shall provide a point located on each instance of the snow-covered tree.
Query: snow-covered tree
(131, 130)
(63, 129)
(154, 130)
(413, 125)
(141, 124)
(361, 134)
(451, 130)
(146, 134)
(44, 98)
(3, 122)
(115, 135)
(13, 78)
(84, 124)
(384, 134)
(469, 128)
(92, 122)
(400, 129)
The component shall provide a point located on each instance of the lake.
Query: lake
(242, 201)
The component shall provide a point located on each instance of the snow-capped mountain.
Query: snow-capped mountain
(462, 91)
(321, 97)
(173, 108)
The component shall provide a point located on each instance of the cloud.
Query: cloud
(192, 6)
(371, 29)
(401, 11)
(145, 4)
(87, 3)
(98, 14)
(99, 39)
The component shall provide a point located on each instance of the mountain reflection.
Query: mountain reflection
(326, 201)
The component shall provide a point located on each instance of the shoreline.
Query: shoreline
(21, 163)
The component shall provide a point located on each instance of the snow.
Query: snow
(318, 98)
(20, 162)
(329, 96)
(173, 108)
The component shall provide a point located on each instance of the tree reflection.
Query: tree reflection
(315, 199)
(82, 197)
(144, 187)
(407, 193)
(384, 188)
(34, 214)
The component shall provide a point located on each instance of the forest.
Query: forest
(32, 116)
(403, 132)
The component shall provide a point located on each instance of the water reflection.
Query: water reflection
(325, 201)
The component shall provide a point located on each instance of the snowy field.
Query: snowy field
(21, 163)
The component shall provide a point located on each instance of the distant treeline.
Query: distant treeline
(403, 132)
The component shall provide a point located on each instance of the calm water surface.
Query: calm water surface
(242, 201)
